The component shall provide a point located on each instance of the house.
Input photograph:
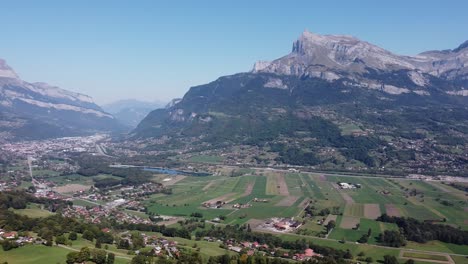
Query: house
(245, 244)
(235, 249)
(309, 252)
(9, 235)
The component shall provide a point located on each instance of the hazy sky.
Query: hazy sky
(152, 50)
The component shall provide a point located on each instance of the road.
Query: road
(101, 150)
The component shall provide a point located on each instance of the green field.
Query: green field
(34, 211)
(39, 254)
(354, 210)
(424, 256)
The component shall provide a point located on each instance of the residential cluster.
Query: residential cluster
(250, 249)
(19, 240)
(280, 224)
(99, 213)
(38, 148)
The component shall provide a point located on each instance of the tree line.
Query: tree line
(415, 230)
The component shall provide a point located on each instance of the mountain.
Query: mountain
(334, 102)
(39, 110)
(335, 57)
(130, 112)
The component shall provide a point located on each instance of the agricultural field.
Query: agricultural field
(286, 194)
(34, 254)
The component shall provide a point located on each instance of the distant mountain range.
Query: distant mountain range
(331, 92)
(130, 112)
(39, 110)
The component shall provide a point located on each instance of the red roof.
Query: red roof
(10, 234)
(309, 252)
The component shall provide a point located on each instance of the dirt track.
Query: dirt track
(287, 201)
(283, 187)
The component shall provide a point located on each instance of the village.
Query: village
(252, 248)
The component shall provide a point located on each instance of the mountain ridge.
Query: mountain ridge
(304, 101)
(28, 106)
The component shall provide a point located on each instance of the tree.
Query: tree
(410, 261)
(61, 240)
(390, 260)
(364, 238)
(99, 256)
(123, 244)
(8, 245)
(87, 234)
(369, 260)
(73, 236)
(84, 254)
(72, 257)
(139, 259)
(110, 258)
(392, 238)
(348, 255)
(137, 241)
(331, 224)
(98, 244)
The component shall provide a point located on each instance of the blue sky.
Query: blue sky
(157, 49)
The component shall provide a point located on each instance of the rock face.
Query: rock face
(333, 57)
(39, 110)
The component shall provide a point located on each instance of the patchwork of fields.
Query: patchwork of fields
(286, 195)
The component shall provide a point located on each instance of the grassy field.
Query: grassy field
(39, 254)
(460, 259)
(34, 211)
(356, 210)
(416, 255)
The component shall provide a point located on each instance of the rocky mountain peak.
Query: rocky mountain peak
(6, 71)
(309, 41)
(328, 56)
(463, 46)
